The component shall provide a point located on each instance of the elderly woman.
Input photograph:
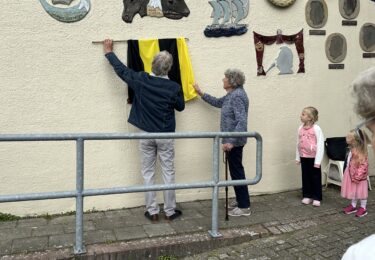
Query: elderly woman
(234, 109)
(364, 93)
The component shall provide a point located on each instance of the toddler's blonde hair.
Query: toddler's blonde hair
(361, 140)
(313, 113)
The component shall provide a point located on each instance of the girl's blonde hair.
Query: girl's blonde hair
(313, 113)
(361, 140)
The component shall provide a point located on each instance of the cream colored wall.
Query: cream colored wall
(54, 80)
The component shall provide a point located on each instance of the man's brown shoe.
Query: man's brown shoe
(153, 218)
(176, 214)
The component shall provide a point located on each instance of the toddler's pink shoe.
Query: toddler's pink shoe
(350, 209)
(306, 201)
(361, 212)
(316, 203)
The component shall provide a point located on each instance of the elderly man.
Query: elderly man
(153, 110)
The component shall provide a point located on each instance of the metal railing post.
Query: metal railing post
(214, 232)
(79, 248)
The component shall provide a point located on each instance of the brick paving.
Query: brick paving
(280, 227)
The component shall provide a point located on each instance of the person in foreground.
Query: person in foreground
(234, 111)
(153, 111)
(364, 93)
(354, 184)
(309, 153)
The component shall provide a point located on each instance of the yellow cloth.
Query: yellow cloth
(187, 75)
(148, 48)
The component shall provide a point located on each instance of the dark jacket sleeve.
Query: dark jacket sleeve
(180, 102)
(121, 70)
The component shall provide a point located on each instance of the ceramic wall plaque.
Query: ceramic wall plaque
(282, 3)
(283, 61)
(316, 13)
(349, 9)
(336, 47)
(226, 17)
(67, 15)
(367, 37)
(261, 40)
(172, 9)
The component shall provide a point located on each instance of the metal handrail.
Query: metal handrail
(80, 192)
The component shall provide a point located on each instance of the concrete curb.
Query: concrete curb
(171, 246)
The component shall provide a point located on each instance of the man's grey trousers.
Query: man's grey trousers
(164, 149)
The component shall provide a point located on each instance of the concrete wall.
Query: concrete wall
(54, 80)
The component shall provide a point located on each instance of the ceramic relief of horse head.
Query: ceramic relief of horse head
(172, 9)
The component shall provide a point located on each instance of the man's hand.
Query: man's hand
(227, 147)
(108, 46)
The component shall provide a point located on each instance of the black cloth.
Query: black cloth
(135, 61)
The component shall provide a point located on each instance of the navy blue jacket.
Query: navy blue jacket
(155, 99)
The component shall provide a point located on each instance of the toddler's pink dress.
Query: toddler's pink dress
(354, 184)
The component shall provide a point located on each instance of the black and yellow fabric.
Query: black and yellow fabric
(142, 52)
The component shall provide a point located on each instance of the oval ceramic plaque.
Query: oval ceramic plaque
(316, 13)
(349, 9)
(282, 3)
(336, 47)
(367, 37)
(70, 14)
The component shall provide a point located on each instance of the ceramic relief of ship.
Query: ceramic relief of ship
(226, 15)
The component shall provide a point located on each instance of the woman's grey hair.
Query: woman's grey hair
(236, 77)
(364, 93)
(162, 63)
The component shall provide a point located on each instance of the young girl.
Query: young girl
(310, 151)
(354, 184)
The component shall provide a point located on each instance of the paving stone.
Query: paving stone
(274, 230)
(285, 228)
(7, 224)
(60, 241)
(99, 236)
(5, 247)
(129, 233)
(71, 227)
(12, 233)
(63, 220)
(186, 226)
(94, 215)
(47, 230)
(29, 244)
(31, 222)
(109, 223)
(154, 230)
(138, 219)
(117, 213)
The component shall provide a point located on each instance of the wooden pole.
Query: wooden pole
(114, 41)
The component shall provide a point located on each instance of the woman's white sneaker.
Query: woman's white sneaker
(237, 212)
(231, 205)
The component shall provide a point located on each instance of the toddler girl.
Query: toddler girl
(354, 184)
(310, 151)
